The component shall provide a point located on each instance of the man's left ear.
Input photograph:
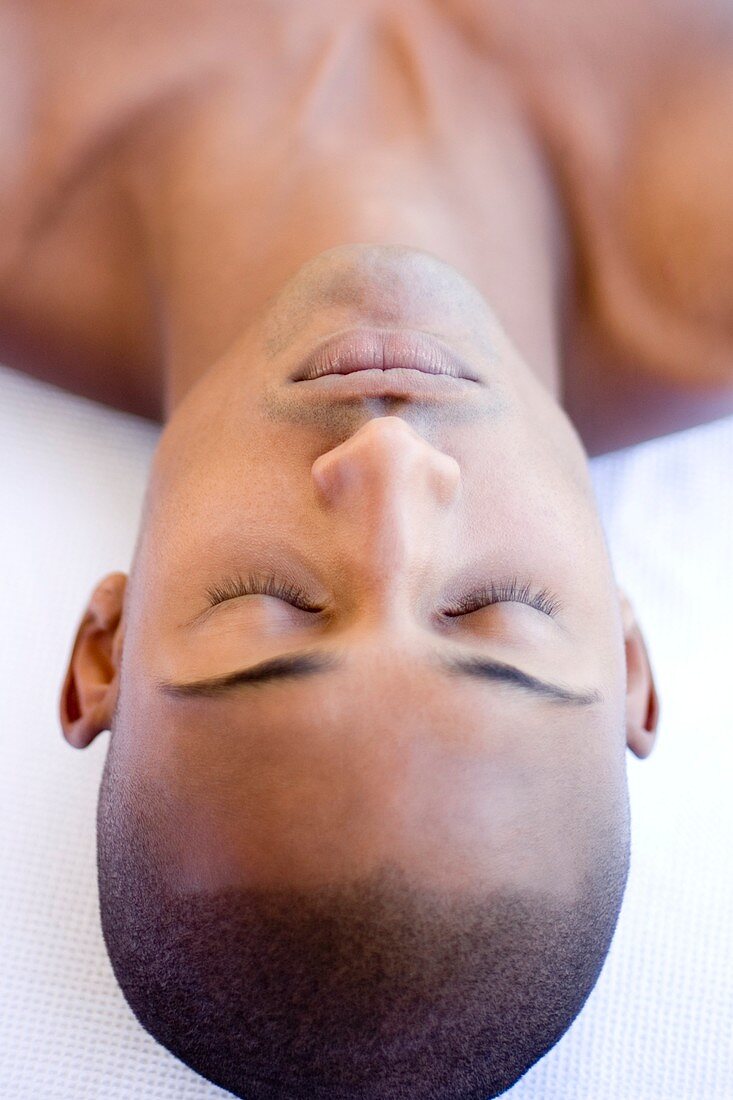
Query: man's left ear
(642, 700)
(89, 693)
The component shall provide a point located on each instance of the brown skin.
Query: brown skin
(384, 510)
(239, 182)
(162, 175)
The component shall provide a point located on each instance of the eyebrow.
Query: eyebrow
(297, 665)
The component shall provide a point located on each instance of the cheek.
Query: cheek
(520, 518)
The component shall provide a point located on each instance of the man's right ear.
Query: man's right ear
(89, 692)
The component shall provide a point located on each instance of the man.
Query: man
(363, 826)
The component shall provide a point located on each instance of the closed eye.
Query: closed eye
(511, 591)
(267, 585)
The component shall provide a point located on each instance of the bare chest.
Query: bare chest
(636, 122)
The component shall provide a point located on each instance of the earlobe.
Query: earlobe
(89, 692)
(642, 699)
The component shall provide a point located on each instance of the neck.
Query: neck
(372, 154)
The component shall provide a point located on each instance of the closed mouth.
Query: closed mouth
(362, 349)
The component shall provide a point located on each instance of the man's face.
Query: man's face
(367, 519)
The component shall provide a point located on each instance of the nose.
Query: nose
(394, 491)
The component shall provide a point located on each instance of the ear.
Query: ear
(89, 694)
(642, 701)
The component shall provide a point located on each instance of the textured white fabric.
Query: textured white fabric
(659, 1023)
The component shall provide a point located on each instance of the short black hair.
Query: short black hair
(374, 989)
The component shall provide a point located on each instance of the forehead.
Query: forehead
(286, 776)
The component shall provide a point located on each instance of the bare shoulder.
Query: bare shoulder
(630, 99)
(72, 305)
(632, 119)
(614, 403)
(651, 348)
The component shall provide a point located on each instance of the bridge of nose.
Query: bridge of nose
(391, 496)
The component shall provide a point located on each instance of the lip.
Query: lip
(380, 352)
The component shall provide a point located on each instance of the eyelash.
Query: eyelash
(510, 591)
(268, 585)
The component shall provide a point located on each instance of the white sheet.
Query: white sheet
(659, 1023)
